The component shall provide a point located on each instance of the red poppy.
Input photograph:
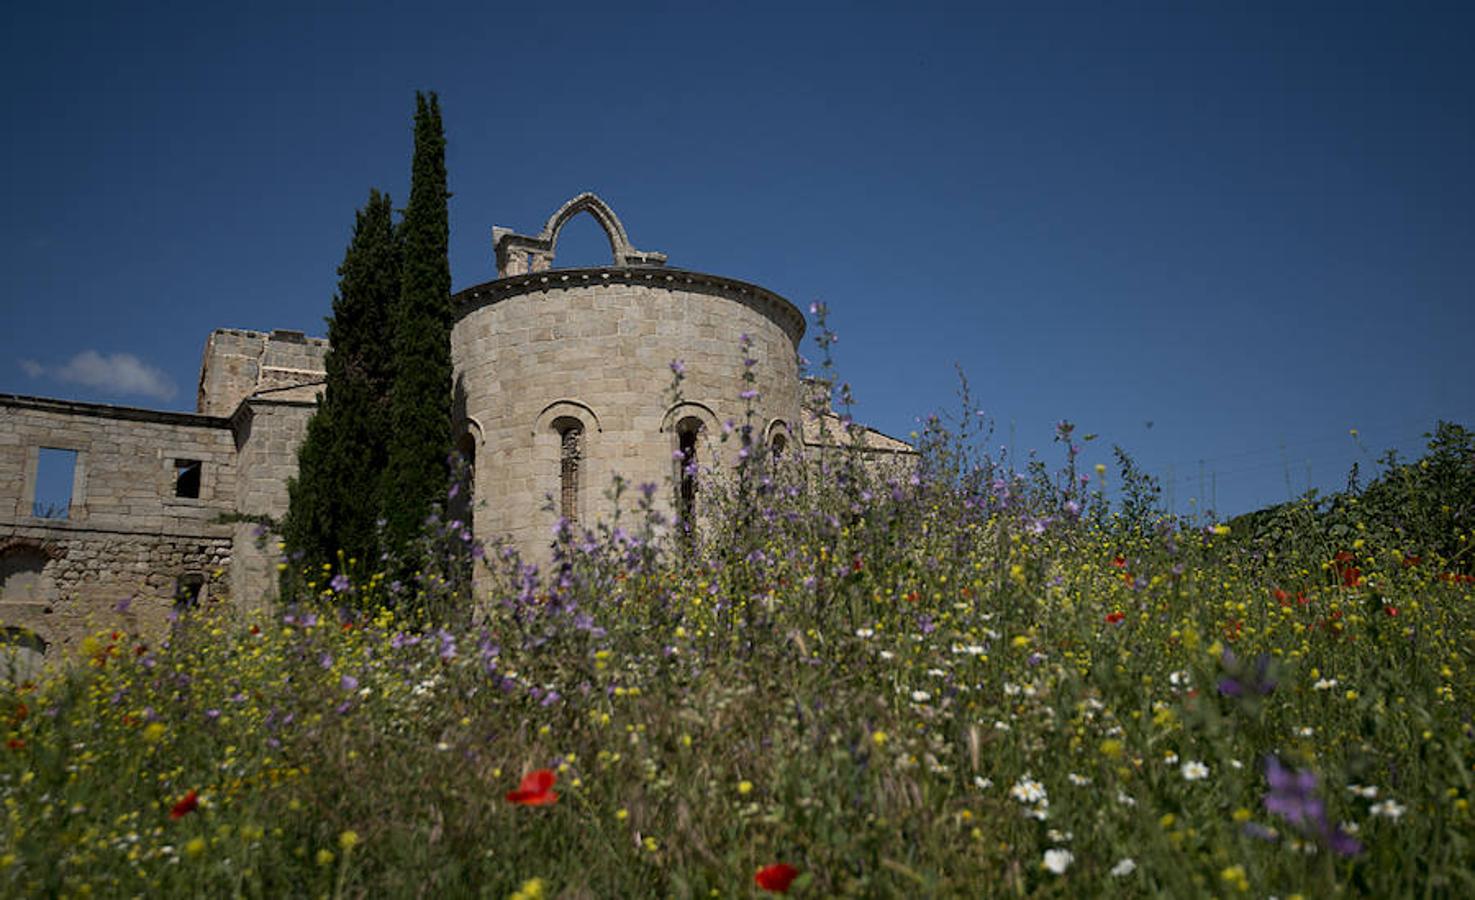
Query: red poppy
(1411, 561)
(1283, 597)
(776, 878)
(913, 597)
(536, 789)
(857, 564)
(1391, 610)
(1120, 562)
(16, 743)
(186, 805)
(1115, 617)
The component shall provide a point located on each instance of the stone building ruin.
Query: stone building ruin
(561, 380)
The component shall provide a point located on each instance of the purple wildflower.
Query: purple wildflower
(1293, 796)
(1242, 681)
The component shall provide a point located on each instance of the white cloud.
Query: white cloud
(118, 373)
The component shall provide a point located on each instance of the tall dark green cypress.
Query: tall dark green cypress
(335, 498)
(420, 401)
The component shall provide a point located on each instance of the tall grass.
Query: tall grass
(947, 679)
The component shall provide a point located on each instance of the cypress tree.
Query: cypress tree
(420, 401)
(334, 502)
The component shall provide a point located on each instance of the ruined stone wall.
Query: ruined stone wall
(595, 346)
(238, 364)
(268, 433)
(126, 533)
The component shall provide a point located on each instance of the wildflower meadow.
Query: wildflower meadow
(949, 675)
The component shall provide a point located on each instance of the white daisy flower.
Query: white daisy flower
(1027, 790)
(1365, 791)
(1388, 809)
(1193, 770)
(1124, 868)
(1058, 860)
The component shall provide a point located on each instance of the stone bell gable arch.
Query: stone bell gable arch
(521, 254)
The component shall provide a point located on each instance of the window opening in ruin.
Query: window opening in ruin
(187, 477)
(55, 473)
(687, 433)
(21, 571)
(570, 457)
(22, 653)
(187, 590)
(463, 500)
(779, 444)
(582, 243)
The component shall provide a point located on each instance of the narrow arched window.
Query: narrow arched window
(463, 498)
(778, 444)
(688, 431)
(570, 458)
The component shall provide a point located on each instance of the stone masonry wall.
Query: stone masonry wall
(240, 363)
(595, 345)
(268, 433)
(125, 534)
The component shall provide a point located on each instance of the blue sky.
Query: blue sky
(1250, 225)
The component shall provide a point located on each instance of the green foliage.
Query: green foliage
(420, 401)
(335, 497)
(1423, 506)
(895, 686)
(1418, 510)
(1140, 494)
